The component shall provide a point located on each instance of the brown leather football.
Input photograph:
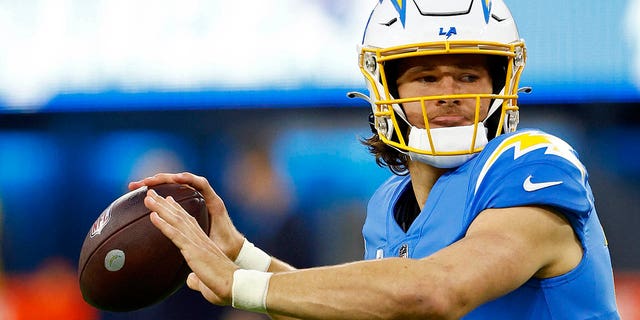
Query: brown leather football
(126, 263)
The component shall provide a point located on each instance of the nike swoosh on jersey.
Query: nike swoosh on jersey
(533, 186)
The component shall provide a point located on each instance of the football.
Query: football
(126, 263)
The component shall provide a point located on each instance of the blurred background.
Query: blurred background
(97, 93)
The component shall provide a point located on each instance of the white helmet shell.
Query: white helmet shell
(400, 29)
(421, 21)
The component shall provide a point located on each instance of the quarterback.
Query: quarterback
(479, 220)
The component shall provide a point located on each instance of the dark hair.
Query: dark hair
(387, 156)
(396, 161)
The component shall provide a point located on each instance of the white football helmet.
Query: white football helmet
(400, 29)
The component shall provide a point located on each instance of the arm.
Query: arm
(502, 249)
(275, 267)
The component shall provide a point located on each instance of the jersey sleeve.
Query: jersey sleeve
(534, 168)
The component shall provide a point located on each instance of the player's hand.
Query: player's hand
(223, 232)
(212, 270)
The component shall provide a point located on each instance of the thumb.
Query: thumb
(194, 283)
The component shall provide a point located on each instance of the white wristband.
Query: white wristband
(249, 290)
(252, 258)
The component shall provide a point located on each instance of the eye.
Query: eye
(469, 78)
(428, 79)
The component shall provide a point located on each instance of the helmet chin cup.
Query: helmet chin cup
(440, 147)
(442, 162)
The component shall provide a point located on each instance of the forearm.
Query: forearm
(279, 266)
(361, 290)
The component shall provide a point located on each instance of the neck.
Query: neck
(423, 177)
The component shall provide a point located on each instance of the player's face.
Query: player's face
(443, 75)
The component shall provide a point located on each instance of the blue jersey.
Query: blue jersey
(517, 169)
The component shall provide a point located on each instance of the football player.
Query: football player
(478, 221)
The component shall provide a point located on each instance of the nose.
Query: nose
(448, 86)
(448, 102)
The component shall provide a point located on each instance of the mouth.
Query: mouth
(448, 121)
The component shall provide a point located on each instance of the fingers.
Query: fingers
(192, 281)
(197, 263)
(182, 178)
(174, 222)
(171, 219)
(200, 252)
(197, 182)
(223, 232)
(165, 221)
(201, 184)
(168, 230)
(159, 178)
(167, 209)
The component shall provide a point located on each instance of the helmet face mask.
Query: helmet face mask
(457, 27)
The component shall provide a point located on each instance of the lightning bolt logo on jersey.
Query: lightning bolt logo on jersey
(523, 143)
(525, 168)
